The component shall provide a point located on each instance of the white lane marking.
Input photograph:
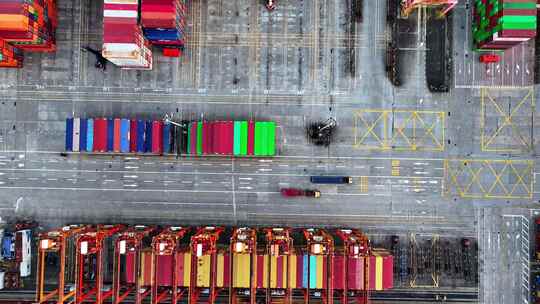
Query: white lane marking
(246, 188)
(148, 181)
(187, 182)
(52, 179)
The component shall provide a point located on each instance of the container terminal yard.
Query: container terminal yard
(321, 151)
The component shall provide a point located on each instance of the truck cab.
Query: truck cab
(331, 179)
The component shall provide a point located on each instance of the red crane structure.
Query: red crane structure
(320, 243)
(55, 242)
(164, 245)
(129, 244)
(355, 246)
(407, 6)
(203, 243)
(89, 255)
(279, 243)
(243, 243)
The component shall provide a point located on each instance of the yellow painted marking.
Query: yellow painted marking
(412, 130)
(502, 179)
(489, 142)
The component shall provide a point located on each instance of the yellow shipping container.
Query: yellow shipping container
(241, 270)
(378, 272)
(203, 271)
(187, 268)
(292, 271)
(13, 22)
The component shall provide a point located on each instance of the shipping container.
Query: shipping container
(124, 135)
(69, 134)
(90, 135)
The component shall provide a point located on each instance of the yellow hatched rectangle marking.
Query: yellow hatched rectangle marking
(489, 178)
(401, 130)
(496, 141)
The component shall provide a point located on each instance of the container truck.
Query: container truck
(331, 179)
(293, 192)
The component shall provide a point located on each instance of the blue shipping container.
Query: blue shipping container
(163, 34)
(124, 135)
(110, 135)
(148, 139)
(166, 138)
(90, 135)
(69, 134)
(140, 136)
(84, 141)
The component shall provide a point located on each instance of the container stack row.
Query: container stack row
(305, 271)
(238, 138)
(163, 22)
(123, 40)
(10, 57)
(28, 25)
(502, 24)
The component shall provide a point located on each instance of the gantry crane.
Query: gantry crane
(55, 242)
(355, 246)
(129, 244)
(203, 243)
(166, 244)
(89, 255)
(407, 6)
(243, 243)
(278, 244)
(320, 243)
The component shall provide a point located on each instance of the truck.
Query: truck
(293, 192)
(331, 179)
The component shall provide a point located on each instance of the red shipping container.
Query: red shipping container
(116, 138)
(229, 137)
(100, 135)
(157, 137)
(133, 135)
(388, 272)
(172, 52)
(193, 136)
(251, 138)
(339, 272)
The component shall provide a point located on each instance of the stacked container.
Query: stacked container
(10, 57)
(163, 22)
(501, 24)
(232, 138)
(123, 41)
(29, 24)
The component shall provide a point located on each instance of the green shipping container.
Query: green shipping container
(260, 139)
(199, 137)
(237, 137)
(271, 150)
(243, 137)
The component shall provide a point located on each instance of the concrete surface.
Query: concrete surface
(421, 162)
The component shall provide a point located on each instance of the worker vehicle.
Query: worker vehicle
(331, 179)
(271, 5)
(292, 192)
(489, 58)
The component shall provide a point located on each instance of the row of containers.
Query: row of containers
(305, 271)
(131, 27)
(28, 25)
(502, 24)
(120, 135)
(202, 263)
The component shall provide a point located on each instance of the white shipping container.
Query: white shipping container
(76, 134)
(120, 14)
